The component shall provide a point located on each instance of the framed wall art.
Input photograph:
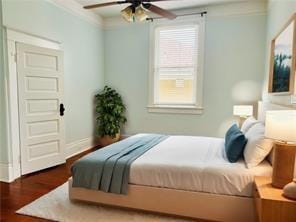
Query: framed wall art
(282, 60)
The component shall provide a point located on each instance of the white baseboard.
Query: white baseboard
(6, 172)
(79, 146)
(72, 149)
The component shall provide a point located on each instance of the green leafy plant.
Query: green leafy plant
(110, 110)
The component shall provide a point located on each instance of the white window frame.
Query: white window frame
(197, 107)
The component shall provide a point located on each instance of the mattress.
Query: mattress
(195, 164)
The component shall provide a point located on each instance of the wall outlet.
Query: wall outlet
(293, 99)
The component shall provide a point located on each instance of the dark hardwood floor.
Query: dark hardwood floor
(24, 190)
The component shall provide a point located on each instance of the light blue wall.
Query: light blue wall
(234, 72)
(234, 67)
(3, 142)
(82, 43)
(279, 12)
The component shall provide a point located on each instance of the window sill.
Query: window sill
(175, 109)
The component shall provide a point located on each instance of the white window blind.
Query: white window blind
(176, 64)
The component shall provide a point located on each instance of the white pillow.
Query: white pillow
(248, 123)
(258, 147)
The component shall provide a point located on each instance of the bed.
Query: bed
(186, 176)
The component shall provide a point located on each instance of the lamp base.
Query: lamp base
(283, 167)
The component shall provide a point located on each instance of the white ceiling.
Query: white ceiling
(110, 11)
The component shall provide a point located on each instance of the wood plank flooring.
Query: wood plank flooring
(23, 191)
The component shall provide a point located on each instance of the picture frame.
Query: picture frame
(283, 60)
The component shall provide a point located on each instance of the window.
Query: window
(176, 66)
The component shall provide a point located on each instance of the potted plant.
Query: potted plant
(110, 110)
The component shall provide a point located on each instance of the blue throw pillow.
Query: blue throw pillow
(235, 142)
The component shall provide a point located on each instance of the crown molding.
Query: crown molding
(220, 10)
(236, 9)
(76, 9)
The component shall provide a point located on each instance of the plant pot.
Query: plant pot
(107, 140)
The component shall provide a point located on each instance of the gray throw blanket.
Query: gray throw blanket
(107, 169)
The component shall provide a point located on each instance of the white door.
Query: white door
(40, 95)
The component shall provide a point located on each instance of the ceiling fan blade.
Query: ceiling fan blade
(105, 4)
(160, 11)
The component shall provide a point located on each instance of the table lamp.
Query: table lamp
(243, 111)
(281, 127)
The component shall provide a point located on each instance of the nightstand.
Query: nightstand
(271, 206)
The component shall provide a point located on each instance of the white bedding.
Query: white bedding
(195, 164)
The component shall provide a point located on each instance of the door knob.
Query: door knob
(62, 109)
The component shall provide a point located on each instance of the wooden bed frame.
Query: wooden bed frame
(198, 205)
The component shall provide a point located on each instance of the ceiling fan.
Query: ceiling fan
(137, 9)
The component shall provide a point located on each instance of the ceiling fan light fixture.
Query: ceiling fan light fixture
(141, 14)
(128, 14)
(137, 9)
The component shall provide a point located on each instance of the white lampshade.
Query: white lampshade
(243, 110)
(281, 125)
(132, 14)
(128, 14)
(141, 14)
